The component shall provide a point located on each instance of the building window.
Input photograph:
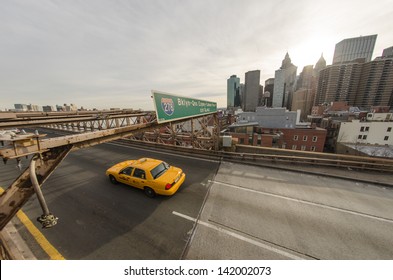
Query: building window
(305, 138)
(367, 128)
(364, 137)
(295, 137)
(294, 147)
(386, 138)
(360, 137)
(314, 138)
(303, 147)
(362, 128)
(312, 149)
(389, 129)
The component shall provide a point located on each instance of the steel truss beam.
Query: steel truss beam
(102, 124)
(20, 191)
(92, 122)
(198, 133)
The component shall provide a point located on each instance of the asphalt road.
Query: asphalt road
(262, 213)
(99, 220)
(222, 211)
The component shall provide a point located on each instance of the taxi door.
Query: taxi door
(138, 178)
(125, 175)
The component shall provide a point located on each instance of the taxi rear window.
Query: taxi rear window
(159, 170)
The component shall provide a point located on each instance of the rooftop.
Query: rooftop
(385, 151)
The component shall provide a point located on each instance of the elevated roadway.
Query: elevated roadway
(224, 210)
(262, 213)
(99, 220)
(48, 153)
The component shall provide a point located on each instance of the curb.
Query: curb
(357, 179)
(13, 245)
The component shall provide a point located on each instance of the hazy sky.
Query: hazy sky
(112, 53)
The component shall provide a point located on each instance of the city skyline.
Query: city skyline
(112, 55)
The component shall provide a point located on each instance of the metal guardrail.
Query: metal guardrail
(322, 159)
(287, 157)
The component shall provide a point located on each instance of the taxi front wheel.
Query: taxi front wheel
(113, 179)
(149, 192)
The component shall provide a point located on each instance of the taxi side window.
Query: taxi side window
(127, 171)
(139, 173)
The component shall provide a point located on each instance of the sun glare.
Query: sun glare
(309, 52)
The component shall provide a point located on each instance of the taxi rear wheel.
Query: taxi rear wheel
(149, 192)
(113, 179)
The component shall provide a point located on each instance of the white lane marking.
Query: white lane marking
(306, 202)
(240, 237)
(165, 153)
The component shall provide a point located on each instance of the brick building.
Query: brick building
(303, 139)
(277, 128)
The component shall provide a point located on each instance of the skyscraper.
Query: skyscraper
(359, 84)
(233, 84)
(376, 84)
(338, 83)
(284, 81)
(321, 64)
(239, 97)
(354, 48)
(269, 88)
(388, 52)
(252, 90)
(305, 77)
(303, 97)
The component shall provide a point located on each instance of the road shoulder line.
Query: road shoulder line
(239, 236)
(321, 205)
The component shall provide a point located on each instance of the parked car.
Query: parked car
(151, 175)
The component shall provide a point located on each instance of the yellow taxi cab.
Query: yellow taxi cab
(151, 175)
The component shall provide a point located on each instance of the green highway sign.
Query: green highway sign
(171, 107)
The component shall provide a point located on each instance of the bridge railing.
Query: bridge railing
(258, 155)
